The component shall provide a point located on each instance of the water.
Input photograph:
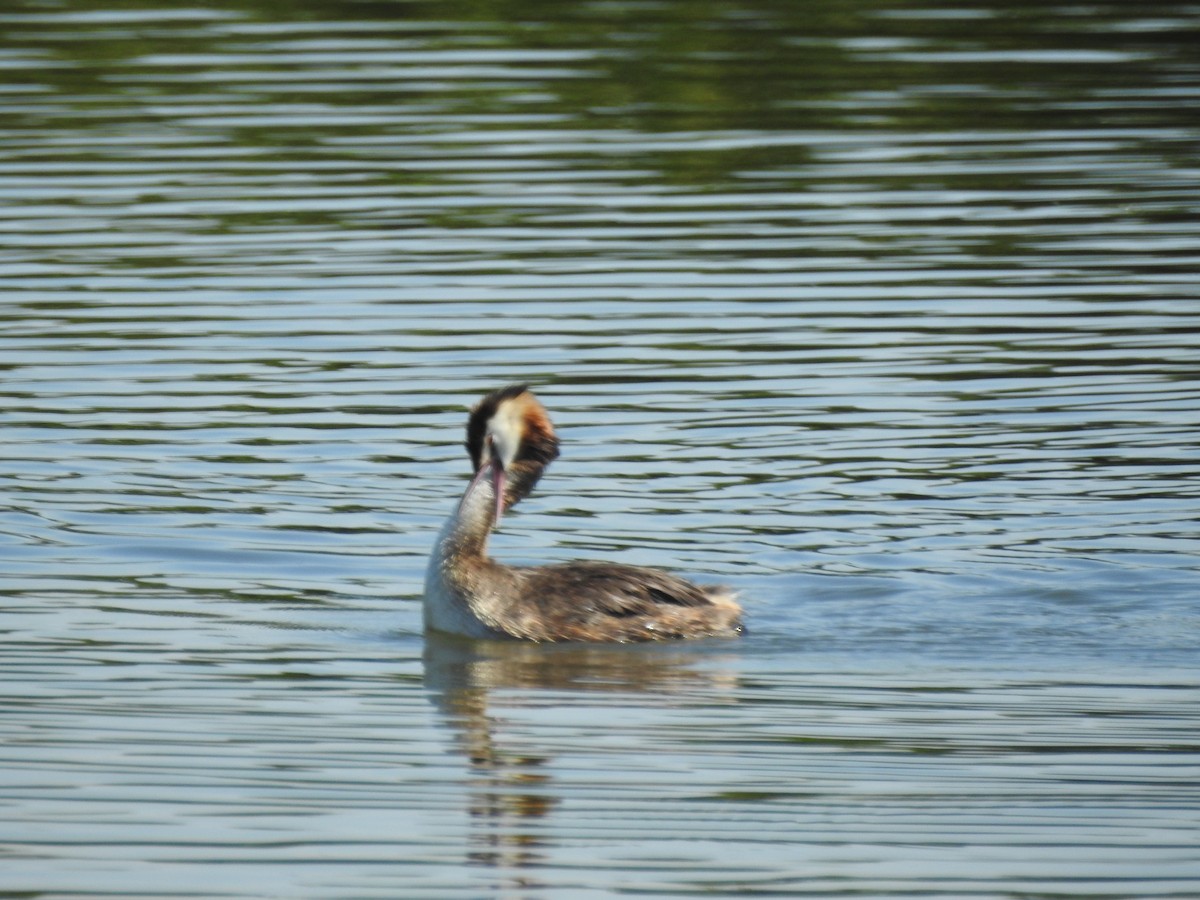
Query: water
(884, 314)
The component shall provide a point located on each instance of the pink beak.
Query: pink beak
(498, 482)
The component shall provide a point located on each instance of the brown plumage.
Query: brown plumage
(511, 442)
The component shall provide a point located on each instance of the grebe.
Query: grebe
(511, 442)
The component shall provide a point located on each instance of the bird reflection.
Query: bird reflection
(512, 790)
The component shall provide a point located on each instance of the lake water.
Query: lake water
(886, 314)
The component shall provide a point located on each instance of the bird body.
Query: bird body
(511, 442)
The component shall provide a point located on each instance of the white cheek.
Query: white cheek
(504, 429)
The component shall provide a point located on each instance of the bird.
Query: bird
(511, 442)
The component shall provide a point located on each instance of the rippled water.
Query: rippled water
(885, 314)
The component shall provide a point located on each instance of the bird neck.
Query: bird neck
(466, 532)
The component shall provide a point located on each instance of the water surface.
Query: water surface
(885, 314)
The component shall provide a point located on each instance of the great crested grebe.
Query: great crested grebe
(511, 442)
